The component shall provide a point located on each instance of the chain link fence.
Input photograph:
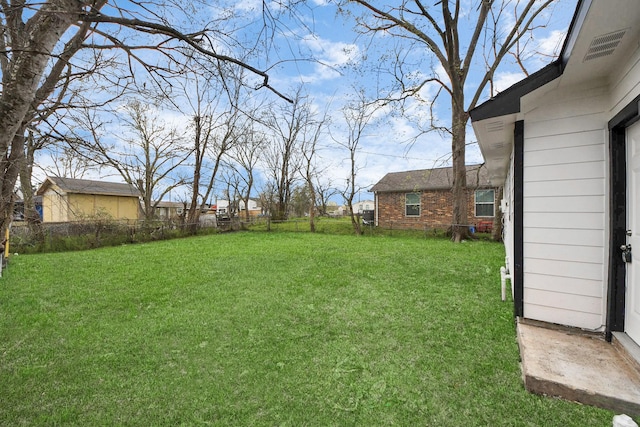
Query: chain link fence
(90, 234)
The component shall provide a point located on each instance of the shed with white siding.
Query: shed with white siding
(565, 143)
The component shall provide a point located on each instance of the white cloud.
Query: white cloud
(505, 80)
(252, 5)
(552, 44)
(330, 57)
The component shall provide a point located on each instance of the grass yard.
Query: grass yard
(265, 329)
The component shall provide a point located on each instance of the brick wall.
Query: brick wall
(436, 210)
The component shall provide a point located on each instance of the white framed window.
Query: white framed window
(412, 204)
(485, 203)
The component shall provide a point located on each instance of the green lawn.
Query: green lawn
(267, 329)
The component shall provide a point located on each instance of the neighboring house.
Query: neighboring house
(168, 210)
(358, 208)
(255, 209)
(422, 199)
(333, 209)
(565, 143)
(365, 205)
(66, 199)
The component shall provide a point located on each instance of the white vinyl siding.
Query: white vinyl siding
(564, 211)
(563, 315)
(577, 237)
(565, 188)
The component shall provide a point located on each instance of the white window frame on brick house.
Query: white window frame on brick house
(484, 202)
(407, 205)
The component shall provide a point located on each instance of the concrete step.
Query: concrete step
(627, 348)
(578, 366)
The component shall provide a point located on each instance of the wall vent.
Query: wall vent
(496, 126)
(604, 45)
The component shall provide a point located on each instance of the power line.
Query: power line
(396, 156)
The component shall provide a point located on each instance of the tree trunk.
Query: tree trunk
(354, 221)
(280, 211)
(459, 226)
(20, 84)
(496, 233)
(31, 215)
(10, 167)
(248, 196)
(312, 209)
(193, 217)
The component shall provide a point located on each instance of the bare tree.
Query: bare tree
(309, 169)
(216, 128)
(39, 39)
(267, 198)
(26, 54)
(66, 163)
(357, 117)
(452, 35)
(325, 190)
(146, 153)
(32, 144)
(245, 157)
(283, 156)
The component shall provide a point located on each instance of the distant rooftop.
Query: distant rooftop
(430, 179)
(86, 186)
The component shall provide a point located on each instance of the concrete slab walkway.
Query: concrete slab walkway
(579, 367)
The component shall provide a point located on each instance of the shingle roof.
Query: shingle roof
(430, 179)
(85, 186)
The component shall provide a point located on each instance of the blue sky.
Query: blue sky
(319, 49)
(385, 147)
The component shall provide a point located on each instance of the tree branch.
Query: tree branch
(194, 40)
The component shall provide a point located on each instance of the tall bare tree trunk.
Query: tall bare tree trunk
(312, 207)
(31, 215)
(10, 168)
(193, 216)
(355, 223)
(496, 233)
(31, 55)
(459, 227)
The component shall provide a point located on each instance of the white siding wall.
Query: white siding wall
(564, 207)
(566, 197)
(507, 218)
(626, 85)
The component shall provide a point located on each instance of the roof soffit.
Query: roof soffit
(578, 68)
(607, 37)
(609, 28)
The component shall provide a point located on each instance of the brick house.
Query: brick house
(422, 199)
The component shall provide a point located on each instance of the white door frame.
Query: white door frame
(632, 297)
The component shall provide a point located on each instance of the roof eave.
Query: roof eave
(508, 101)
